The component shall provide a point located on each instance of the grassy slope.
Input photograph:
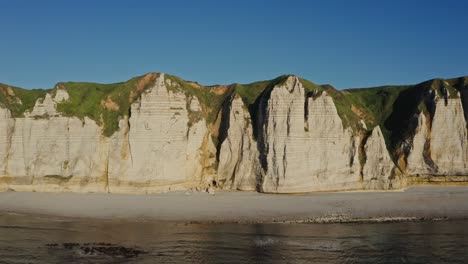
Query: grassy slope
(342, 103)
(250, 92)
(19, 100)
(86, 100)
(210, 98)
(394, 108)
(391, 107)
(377, 104)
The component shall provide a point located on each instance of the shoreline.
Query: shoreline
(417, 203)
(319, 221)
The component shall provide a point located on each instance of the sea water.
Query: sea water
(32, 239)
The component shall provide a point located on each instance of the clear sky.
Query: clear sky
(345, 43)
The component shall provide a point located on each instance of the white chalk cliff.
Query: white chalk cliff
(238, 156)
(305, 151)
(440, 145)
(292, 140)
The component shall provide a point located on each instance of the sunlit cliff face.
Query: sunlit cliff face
(160, 133)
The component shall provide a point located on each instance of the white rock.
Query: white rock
(155, 150)
(162, 149)
(322, 157)
(378, 166)
(210, 191)
(449, 145)
(302, 146)
(238, 159)
(415, 161)
(447, 139)
(61, 95)
(363, 124)
(44, 106)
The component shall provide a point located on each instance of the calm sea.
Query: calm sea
(50, 240)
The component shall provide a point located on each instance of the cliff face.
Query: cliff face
(283, 136)
(305, 148)
(378, 171)
(155, 149)
(239, 167)
(53, 152)
(440, 146)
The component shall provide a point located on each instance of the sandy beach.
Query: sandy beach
(412, 204)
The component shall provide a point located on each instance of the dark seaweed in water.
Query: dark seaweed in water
(38, 240)
(95, 249)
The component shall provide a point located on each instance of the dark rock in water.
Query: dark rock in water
(115, 251)
(107, 249)
(70, 245)
(52, 245)
(104, 244)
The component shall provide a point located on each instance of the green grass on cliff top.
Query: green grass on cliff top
(394, 108)
(251, 91)
(391, 107)
(375, 103)
(342, 103)
(19, 100)
(211, 98)
(86, 101)
(364, 106)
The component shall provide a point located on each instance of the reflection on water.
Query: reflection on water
(28, 239)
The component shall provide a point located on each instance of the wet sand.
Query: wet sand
(412, 204)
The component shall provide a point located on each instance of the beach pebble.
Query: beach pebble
(210, 190)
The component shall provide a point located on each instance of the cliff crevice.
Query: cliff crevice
(157, 133)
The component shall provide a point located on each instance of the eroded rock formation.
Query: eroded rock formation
(288, 137)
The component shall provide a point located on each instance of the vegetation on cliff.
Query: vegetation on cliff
(391, 107)
(396, 108)
(211, 98)
(250, 92)
(104, 103)
(344, 107)
(19, 100)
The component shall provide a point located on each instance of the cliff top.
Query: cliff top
(391, 107)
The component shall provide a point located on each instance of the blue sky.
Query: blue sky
(344, 43)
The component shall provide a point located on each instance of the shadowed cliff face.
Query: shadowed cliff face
(238, 167)
(160, 133)
(462, 86)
